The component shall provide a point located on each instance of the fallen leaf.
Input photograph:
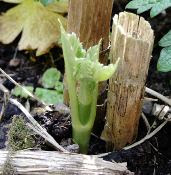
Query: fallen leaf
(39, 26)
(58, 7)
(13, 1)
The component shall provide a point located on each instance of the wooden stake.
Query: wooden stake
(132, 41)
(90, 20)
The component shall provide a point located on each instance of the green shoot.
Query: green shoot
(83, 71)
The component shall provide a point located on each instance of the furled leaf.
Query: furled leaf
(164, 62)
(39, 26)
(49, 96)
(156, 6)
(166, 40)
(50, 78)
(19, 92)
(84, 65)
(103, 73)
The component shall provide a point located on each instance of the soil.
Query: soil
(151, 157)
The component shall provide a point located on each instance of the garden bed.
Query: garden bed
(153, 156)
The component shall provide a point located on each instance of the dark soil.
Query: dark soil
(151, 157)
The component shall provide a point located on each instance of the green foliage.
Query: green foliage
(19, 92)
(156, 6)
(166, 40)
(50, 78)
(49, 96)
(19, 136)
(164, 62)
(83, 71)
(50, 81)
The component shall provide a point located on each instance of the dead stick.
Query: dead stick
(158, 95)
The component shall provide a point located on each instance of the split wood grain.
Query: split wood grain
(132, 41)
(57, 163)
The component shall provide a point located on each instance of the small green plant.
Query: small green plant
(156, 6)
(19, 136)
(83, 72)
(37, 20)
(50, 93)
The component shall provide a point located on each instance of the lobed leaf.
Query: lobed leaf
(39, 26)
(164, 62)
(58, 7)
(49, 96)
(166, 40)
(156, 6)
(19, 92)
(159, 7)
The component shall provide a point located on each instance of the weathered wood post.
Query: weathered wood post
(90, 20)
(57, 163)
(132, 41)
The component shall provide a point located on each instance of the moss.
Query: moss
(20, 136)
(8, 168)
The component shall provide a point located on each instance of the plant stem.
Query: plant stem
(81, 133)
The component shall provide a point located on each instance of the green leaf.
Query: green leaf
(164, 62)
(136, 4)
(156, 6)
(166, 40)
(19, 92)
(59, 86)
(50, 78)
(144, 8)
(49, 96)
(159, 7)
(102, 73)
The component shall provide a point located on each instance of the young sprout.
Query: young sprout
(83, 71)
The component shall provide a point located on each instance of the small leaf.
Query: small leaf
(59, 86)
(164, 62)
(39, 26)
(93, 52)
(156, 6)
(105, 72)
(166, 40)
(50, 78)
(19, 92)
(144, 8)
(49, 96)
(135, 4)
(159, 7)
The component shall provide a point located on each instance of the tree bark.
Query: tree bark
(56, 163)
(132, 41)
